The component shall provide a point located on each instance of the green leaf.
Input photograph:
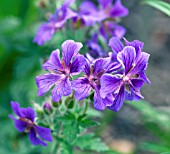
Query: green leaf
(153, 147)
(89, 142)
(160, 5)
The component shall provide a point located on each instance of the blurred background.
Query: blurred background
(138, 128)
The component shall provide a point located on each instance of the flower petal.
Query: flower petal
(44, 33)
(86, 68)
(105, 3)
(44, 133)
(77, 64)
(118, 31)
(127, 58)
(119, 100)
(19, 125)
(62, 88)
(109, 84)
(82, 88)
(101, 103)
(136, 44)
(115, 44)
(45, 82)
(28, 113)
(34, 139)
(87, 4)
(70, 49)
(140, 63)
(54, 61)
(144, 77)
(101, 64)
(119, 10)
(16, 108)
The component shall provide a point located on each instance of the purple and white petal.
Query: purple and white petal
(77, 65)
(54, 61)
(86, 68)
(140, 63)
(109, 84)
(144, 77)
(62, 88)
(131, 96)
(101, 65)
(45, 82)
(69, 50)
(136, 44)
(119, 100)
(127, 58)
(34, 139)
(44, 133)
(137, 83)
(82, 88)
(118, 10)
(116, 45)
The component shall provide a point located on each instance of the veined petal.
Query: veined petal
(140, 63)
(101, 103)
(144, 77)
(101, 64)
(86, 68)
(119, 100)
(119, 10)
(77, 64)
(54, 61)
(28, 113)
(131, 96)
(45, 82)
(137, 83)
(115, 44)
(136, 44)
(44, 133)
(34, 139)
(109, 84)
(127, 58)
(82, 88)
(69, 50)
(62, 88)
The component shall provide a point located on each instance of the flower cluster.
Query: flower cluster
(112, 79)
(26, 122)
(107, 16)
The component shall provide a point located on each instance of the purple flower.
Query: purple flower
(88, 16)
(127, 84)
(112, 11)
(84, 85)
(26, 122)
(61, 71)
(110, 28)
(56, 21)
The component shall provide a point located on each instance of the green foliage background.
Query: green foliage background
(20, 63)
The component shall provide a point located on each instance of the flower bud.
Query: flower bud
(48, 108)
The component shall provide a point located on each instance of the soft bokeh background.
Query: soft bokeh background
(139, 128)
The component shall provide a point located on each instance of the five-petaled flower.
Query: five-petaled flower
(26, 122)
(127, 84)
(61, 71)
(84, 85)
(55, 22)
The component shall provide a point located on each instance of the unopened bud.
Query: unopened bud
(48, 108)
